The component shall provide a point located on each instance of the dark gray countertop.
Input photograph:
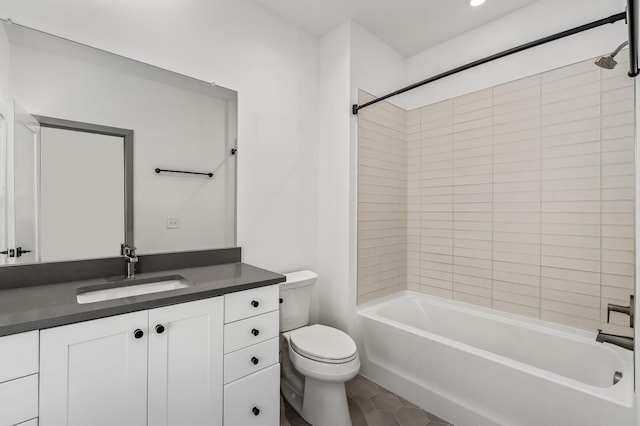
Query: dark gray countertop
(46, 306)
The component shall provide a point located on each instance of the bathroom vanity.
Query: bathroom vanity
(80, 349)
(203, 355)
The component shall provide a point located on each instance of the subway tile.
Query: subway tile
(520, 299)
(514, 308)
(516, 282)
(519, 197)
(585, 112)
(522, 112)
(586, 312)
(515, 258)
(567, 72)
(617, 95)
(568, 319)
(580, 136)
(618, 144)
(517, 85)
(620, 281)
(437, 291)
(571, 104)
(517, 247)
(570, 286)
(528, 269)
(588, 265)
(513, 96)
(573, 298)
(618, 268)
(516, 234)
(434, 282)
(525, 135)
(471, 298)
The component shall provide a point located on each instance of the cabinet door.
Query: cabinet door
(185, 364)
(95, 373)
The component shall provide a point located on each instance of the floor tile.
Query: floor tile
(372, 405)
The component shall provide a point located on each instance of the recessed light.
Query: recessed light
(476, 3)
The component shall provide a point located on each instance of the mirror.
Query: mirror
(66, 192)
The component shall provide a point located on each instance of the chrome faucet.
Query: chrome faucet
(130, 258)
(622, 341)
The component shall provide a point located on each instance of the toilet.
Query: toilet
(316, 360)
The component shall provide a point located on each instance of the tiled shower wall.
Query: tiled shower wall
(382, 200)
(521, 197)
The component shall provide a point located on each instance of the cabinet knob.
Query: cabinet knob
(255, 303)
(138, 334)
(159, 328)
(255, 331)
(255, 411)
(255, 360)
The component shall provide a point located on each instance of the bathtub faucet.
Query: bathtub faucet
(622, 341)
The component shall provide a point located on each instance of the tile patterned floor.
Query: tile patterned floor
(372, 405)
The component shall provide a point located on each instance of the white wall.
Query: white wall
(4, 116)
(349, 57)
(269, 62)
(540, 19)
(332, 291)
(4, 64)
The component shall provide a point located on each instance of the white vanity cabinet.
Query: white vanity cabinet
(158, 367)
(251, 368)
(209, 362)
(19, 379)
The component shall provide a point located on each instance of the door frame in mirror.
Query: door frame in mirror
(127, 135)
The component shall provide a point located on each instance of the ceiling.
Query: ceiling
(409, 26)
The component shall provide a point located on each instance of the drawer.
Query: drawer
(19, 354)
(249, 360)
(254, 400)
(248, 303)
(247, 332)
(19, 400)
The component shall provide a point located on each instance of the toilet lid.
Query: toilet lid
(322, 343)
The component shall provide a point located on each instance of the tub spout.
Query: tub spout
(622, 341)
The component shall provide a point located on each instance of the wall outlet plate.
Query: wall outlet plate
(173, 223)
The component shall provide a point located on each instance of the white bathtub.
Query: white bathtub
(476, 366)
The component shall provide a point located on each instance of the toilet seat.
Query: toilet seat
(323, 344)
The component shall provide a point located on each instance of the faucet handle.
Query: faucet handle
(629, 310)
(126, 250)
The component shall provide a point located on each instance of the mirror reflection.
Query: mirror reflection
(64, 186)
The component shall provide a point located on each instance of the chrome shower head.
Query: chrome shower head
(607, 62)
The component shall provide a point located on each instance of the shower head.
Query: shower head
(607, 62)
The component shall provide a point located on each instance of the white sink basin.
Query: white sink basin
(132, 288)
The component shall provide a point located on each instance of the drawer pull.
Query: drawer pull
(255, 360)
(138, 334)
(255, 331)
(159, 328)
(255, 303)
(256, 411)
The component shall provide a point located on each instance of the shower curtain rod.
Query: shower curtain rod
(633, 54)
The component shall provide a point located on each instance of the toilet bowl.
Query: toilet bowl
(316, 359)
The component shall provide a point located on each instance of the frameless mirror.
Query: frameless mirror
(97, 150)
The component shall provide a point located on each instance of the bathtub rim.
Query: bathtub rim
(621, 394)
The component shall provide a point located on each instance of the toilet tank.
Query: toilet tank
(296, 299)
